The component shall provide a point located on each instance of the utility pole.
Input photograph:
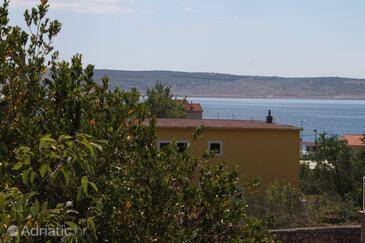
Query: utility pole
(315, 136)
(302, 127)
(315, 141)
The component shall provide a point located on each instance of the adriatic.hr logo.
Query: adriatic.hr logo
(13, 231)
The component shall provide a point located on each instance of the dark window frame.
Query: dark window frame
(220, 143)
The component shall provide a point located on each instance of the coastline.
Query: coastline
(273, 98)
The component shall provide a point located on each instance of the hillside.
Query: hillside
(226, 85)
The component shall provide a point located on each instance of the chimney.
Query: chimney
(269, 117)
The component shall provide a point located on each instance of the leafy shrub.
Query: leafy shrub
(338, 171)
(330, 209)
(74, 153)
(280, 206)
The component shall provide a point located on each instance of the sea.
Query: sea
(333, 117)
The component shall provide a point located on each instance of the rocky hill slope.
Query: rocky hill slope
(226, 85)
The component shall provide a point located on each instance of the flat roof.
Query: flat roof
(223, 124)
(308, 143)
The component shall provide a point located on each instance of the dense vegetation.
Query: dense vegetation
(331, 193)
(75, 153)
(161, 103)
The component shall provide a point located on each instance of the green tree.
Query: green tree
(338, 170)
(280, 205)
(162, 104)
(358, 166)
(334, 165)
(73, 152)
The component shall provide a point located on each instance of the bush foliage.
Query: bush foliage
(161, 103)
(329, 194)
(339, 170)
(283, 206)
(74, 153)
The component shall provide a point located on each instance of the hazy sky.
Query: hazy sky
(253, 37)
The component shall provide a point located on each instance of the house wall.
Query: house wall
(268, 154)
(310, 150)
(194, 115)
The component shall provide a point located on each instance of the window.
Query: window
(216, 147)
(162, 144)
(182, 146)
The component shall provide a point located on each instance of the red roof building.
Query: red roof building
(354, 140)
(193, 110)
(252, 148)
(193, 107)
(219, 124)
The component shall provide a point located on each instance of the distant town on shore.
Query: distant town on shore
(227, 85)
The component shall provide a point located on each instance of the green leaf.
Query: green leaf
(18, 166)
(90, 147)
(79, 195)
(27, 159)
(66, 175)
(91, 225)
(71, 211)
(25, 177)
(64, 137)
(93, 186)
(32, 176)
(100, 148)
(43, 170)
(34, 210)
(46, 140)
(72, 225)
(2, 200)
(84, 184)
(99, 206)
(45, 205)
(60, 205)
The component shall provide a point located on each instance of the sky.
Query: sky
(291, 38)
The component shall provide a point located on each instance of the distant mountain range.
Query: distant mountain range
(227, 85)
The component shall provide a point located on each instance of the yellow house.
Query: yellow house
(255, 148)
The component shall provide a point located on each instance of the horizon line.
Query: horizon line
(222, 73)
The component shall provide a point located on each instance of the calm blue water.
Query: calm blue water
(330, 116)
